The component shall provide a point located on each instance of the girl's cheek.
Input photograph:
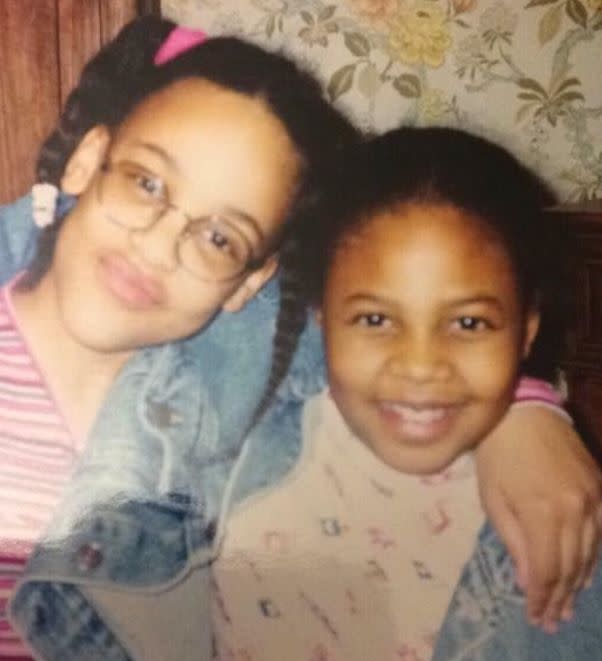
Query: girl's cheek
(490, 369)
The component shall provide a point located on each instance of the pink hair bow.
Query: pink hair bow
(178, 41)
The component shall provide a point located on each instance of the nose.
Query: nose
(419, 358)
(157, 244)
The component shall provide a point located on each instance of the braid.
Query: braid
(290, 323)
(300, 275)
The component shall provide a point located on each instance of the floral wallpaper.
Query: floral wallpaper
(525, 74)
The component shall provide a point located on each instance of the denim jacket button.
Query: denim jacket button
(89, 556)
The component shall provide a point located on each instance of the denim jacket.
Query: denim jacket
(485, 620)
(122, 572)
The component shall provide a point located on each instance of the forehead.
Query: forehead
(195, 100)
(195, 115)
(422, 249)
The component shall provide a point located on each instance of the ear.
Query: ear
(251, 285)
(532, 327)
(318, 316)
(85, 160)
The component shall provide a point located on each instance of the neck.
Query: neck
(79, 376)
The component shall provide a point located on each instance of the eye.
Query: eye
(139, 184)
(217, 239)
(150, 185)
(472, 324)
(372, 320)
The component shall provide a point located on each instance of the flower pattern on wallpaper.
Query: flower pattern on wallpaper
(526, 74)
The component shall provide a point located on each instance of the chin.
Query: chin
(107, 345)
(100, 339)
(416, 460)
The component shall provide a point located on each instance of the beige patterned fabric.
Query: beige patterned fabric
(525, 74)
(347, 559)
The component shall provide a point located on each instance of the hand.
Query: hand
(543, 493)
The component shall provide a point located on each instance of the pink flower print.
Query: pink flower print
(408, 653)
(462, 6)
(379, 537)
(319, 653)
(437, 519)
(437, 478)
(374, 10)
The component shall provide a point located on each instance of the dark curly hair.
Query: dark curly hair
(435, 165)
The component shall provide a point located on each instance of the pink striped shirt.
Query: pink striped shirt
(37, 453)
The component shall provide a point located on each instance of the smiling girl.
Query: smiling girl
(430, 285)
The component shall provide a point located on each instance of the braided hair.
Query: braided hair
(123, 73)
(291, 317)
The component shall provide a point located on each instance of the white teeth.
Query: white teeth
(419, 416)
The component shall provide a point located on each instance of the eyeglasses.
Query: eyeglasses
(212, 247)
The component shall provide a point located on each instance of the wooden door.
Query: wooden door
(43, 47)
(583, 360)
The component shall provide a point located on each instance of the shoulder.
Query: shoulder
(17, 237)
(18, 234)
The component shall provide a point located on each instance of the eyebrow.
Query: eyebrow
(478, 298)
(158, 151)
(367, 298)
(247, 219)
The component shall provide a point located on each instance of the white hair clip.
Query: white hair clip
(44, 196)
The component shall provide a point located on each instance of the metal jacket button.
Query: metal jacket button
(89, 556)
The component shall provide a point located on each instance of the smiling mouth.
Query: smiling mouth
(419, 414)
(424, 422)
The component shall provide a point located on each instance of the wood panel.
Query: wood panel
(84, 26)
(29, 88)
(80, 34)
(583, 360)
(586, 408)
(44, 46)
